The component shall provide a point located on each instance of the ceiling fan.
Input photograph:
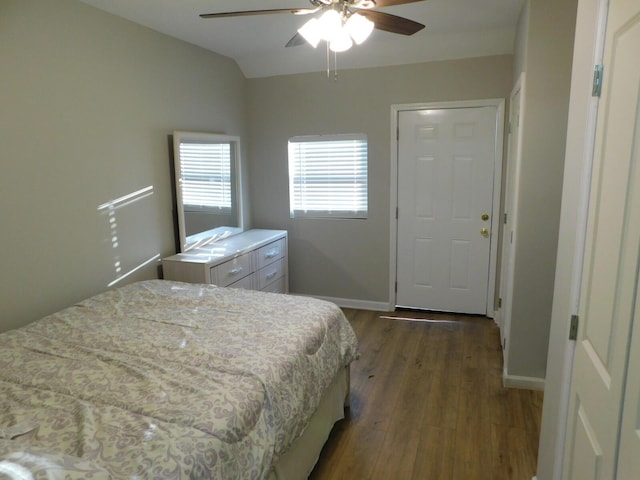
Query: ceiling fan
(341, 22)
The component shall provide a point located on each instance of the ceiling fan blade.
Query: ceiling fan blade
(296, 41)
(392, 23)
(246, 13)
(391, 3)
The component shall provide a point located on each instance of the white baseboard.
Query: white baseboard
(526, 383)
(370, 305)
(351, 303)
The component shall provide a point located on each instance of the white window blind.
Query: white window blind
(206, 176)
(328, 176)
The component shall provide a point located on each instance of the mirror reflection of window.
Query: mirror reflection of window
(207, 168)
(206, 177)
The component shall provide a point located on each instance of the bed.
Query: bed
(162, 379)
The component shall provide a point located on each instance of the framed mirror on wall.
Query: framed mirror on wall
(208, 187)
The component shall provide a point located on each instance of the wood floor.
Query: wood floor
(427, 403)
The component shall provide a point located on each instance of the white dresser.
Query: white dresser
(255, 260)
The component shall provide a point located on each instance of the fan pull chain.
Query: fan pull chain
(335, 64)
(328, 61)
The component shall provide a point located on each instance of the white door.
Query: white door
(445, 195)
(608, 307)
(629, 456)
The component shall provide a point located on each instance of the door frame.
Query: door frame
(499, 103)
(591, 24)
(509, 239)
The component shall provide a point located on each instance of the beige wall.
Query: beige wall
(348, 259)
(547, 51)
(521, 42)
(87, 102)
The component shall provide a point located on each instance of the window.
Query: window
(205, 169)
(328, 176)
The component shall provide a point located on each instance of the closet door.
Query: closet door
(629, 455)
(610, 275)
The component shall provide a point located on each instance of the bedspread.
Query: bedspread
(163, 379)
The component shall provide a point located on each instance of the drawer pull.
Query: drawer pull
(269, 276)
(235, 271)
(272, 253)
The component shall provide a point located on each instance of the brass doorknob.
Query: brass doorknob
(484, 232)
(485, 217)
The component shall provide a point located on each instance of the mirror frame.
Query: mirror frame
(218, 233)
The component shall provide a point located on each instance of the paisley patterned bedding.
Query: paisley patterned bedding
(167, 380)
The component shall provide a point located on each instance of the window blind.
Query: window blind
(328, 176)
(206, 176)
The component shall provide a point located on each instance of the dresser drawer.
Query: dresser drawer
(231, 271)
(270, 273)
(277, 286)
(247, 283)
(270, 253)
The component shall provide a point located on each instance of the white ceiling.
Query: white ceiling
(454, 29)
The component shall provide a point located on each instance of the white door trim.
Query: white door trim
(512, 187)
(581, 127)
(499, 103)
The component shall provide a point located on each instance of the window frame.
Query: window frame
(359, 163)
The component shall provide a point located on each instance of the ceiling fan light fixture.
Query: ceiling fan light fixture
(359, 27)
(311, 32)
(330, 25)
(341, 42)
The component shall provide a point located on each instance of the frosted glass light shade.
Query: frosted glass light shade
(310, 31)
(330, 25)
(359, 27)
(341, 42)
(333, 28)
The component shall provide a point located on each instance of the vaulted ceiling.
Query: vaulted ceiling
(454, 29)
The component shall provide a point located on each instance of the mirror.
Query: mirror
(208, 188)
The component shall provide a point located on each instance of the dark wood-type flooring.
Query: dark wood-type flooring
(427, 403)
